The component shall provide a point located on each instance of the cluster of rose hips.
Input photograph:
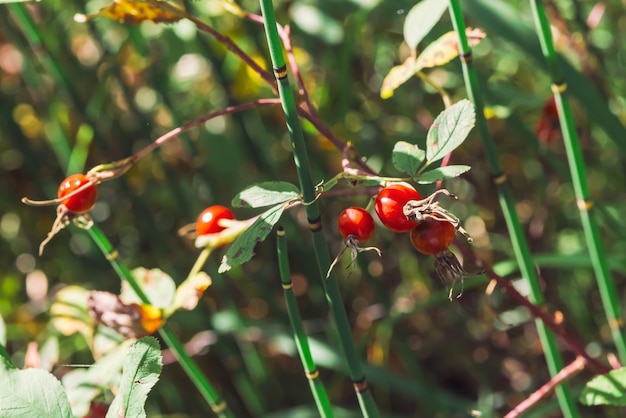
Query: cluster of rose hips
(401, 208)
(398, 205)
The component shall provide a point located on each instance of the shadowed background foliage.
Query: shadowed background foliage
(74, 95)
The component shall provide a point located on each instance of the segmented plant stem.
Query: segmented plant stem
(520, 245)
(217, 404)
(302, 343)
(606, 284)
(322, 255)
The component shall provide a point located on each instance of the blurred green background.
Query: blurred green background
(74, 95)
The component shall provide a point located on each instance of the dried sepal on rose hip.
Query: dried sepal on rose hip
(76, 196)
(419, 210)
(215, 227)
(433, 236)
(357, 226)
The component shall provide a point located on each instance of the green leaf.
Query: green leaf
(157, 285)
(84, 385)
(421, 19)
(266, 194)
(140, 373)
(449, 130)
(32, 393)
(407, 157)
(242, 249)
(441, 173)
(606, 389)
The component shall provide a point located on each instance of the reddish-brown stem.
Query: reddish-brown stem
(537, 312)
(223, 39)
(171, 134)
(566, 373)
(285, 36)
(309, 113)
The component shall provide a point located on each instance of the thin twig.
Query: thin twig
(566, 373)
(536, 312)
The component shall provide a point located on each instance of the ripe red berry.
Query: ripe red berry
(389, 204)
(432, 237)
(207, 222)
(548, 127)
(357, 222)
(81, 202)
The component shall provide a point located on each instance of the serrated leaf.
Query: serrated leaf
(140, 372)
(266, 194)
(158, 286)
(85, 384)
(445, 49)
(421, 19)
(606, 389)
(441, 173)
(242, 249)
(407, 157)
(32, 393)
(449, 130)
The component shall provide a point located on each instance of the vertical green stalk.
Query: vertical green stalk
(217, 404)
(322, 255)
(302, 343)
(606, 284)
(520, 245)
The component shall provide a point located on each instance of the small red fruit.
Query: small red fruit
(389, 206)
(548, 128)
(357, 222)
(207, 222)
(82, 201)
(432, 237)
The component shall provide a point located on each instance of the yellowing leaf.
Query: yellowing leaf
(129, 319)
(397, 76)
(445, 49)
(440, 52)
(151, 318)
(189, 292)
(134, 12)
(69, 312)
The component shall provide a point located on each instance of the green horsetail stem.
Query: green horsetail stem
(518, 240)
(217, 404)
(322, 255)
(604, 277)
(302, 343)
